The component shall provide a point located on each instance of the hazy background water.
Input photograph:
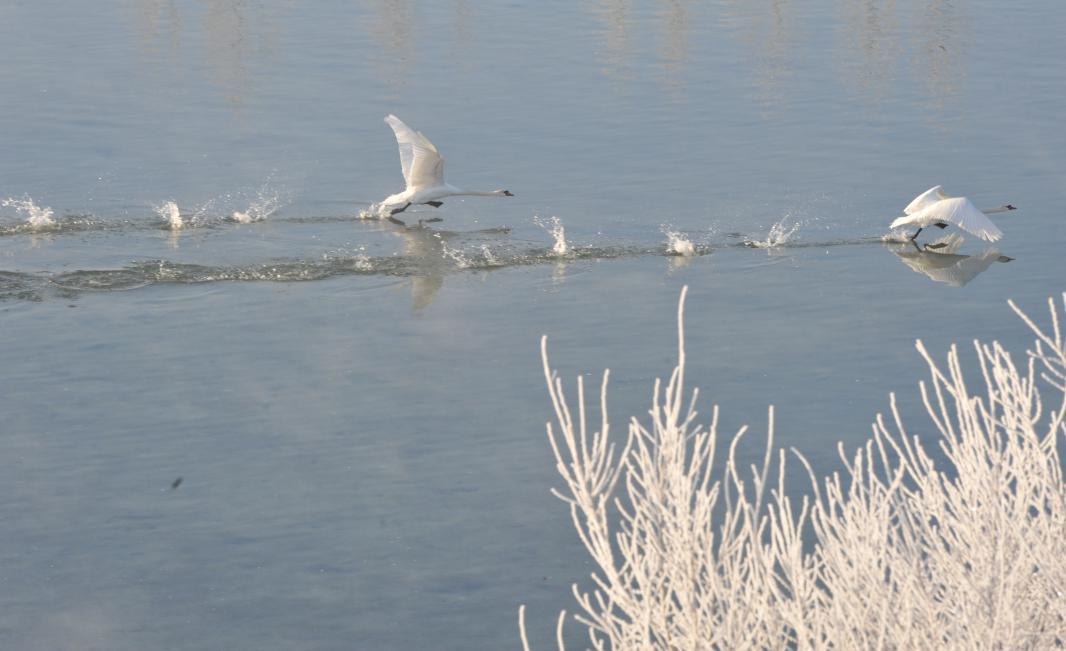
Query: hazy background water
(362, 452)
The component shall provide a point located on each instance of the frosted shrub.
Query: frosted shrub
(903, 551)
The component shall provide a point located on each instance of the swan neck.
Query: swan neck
(454, 191)
(992, 211)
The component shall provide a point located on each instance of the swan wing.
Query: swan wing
(962, 213)
(421, 162)
(925, 199)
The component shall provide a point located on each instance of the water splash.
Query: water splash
(373, 211)
(37, 217)
(206, 213)
(267, 201)
(361, 262)
(554, 227)
(461, 261)
(171, 216)
(356, 259)
(780, 234)
(677, 243)
(490, 258)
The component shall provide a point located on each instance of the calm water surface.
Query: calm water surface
(356, 409)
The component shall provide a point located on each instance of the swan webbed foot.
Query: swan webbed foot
(940, 225)
(435, 204)
(399, 210)
(398, 222)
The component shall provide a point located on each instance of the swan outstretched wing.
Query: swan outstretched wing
(962, 213)
(419, 158)
(925, 199)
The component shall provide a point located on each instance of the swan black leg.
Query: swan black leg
(399, 210)
(435, 204)
(915, 236)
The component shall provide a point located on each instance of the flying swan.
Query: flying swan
(423, 172)
(935, 208)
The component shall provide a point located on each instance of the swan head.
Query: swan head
(505, 193)
(1010, 207)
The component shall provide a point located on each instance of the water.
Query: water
(38, 218)
(355, 408)
(170, 216)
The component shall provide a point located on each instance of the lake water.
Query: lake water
(356, 410)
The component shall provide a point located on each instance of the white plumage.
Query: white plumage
(936, 208)
(423, 174)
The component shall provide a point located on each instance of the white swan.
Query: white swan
(423, 172)
(935, 208)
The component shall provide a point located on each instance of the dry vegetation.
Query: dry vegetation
(903, 549)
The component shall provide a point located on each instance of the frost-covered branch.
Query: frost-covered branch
(902, 549)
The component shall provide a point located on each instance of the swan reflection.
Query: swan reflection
(429, 258)
(944, 264)
(424, 247)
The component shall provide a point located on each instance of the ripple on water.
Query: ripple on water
(110, 280)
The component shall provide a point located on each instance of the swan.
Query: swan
(423, 173)
(936, 208)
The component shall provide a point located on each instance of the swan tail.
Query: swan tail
(900, 221)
